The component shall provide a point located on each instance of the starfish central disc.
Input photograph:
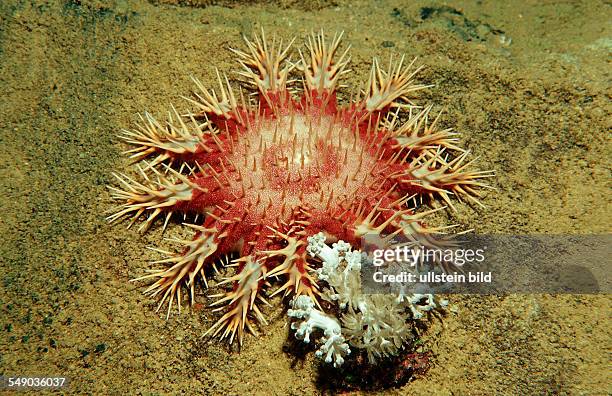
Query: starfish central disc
(296, 161)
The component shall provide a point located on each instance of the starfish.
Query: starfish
(263, 173)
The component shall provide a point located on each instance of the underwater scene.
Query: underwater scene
(305, 197)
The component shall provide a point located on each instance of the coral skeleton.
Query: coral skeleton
(258, 174)
(310, 319)
(379, 324)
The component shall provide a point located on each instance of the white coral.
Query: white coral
(334, 347)
(376, 323)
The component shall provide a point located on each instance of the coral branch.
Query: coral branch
(333, 347)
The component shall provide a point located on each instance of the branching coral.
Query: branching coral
(380, 324)
(309, 319)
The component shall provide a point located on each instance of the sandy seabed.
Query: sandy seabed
(526, 83)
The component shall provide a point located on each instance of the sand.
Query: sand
(526, 83)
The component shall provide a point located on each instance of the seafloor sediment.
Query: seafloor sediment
(525, 83)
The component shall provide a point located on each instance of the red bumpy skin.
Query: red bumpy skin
(266, 174)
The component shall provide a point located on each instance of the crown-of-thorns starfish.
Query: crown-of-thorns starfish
(265, 174)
